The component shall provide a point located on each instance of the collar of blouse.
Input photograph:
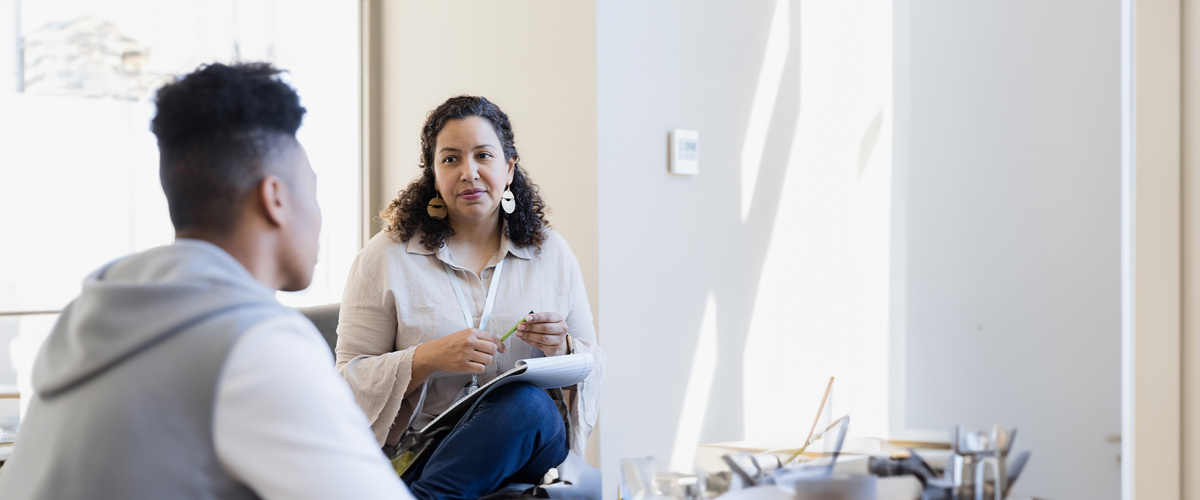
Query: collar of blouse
(414, 246)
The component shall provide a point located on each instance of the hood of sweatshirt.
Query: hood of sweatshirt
(132, 304)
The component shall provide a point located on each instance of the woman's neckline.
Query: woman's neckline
(475, 248)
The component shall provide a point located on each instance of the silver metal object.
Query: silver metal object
(972, 454)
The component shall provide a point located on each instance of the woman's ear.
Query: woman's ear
(512, 169)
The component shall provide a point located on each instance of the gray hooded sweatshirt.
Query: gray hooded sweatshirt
(126, 383)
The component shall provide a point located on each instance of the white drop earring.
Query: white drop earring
(507, 202)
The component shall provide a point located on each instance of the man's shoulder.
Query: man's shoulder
(279, 321)
(279, 350)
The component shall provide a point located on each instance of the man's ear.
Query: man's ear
(273, 194)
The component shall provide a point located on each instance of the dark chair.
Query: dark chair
(326, 320)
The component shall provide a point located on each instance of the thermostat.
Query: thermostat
(684, 151)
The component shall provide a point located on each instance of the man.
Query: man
(175, 373)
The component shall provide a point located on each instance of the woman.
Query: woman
(471, 218)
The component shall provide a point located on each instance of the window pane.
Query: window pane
(79, 167)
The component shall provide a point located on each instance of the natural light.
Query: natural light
(79, 166)
(822, 303)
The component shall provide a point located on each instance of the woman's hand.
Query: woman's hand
(546, 331)
(464, 351)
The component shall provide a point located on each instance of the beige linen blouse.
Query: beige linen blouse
(398, 295)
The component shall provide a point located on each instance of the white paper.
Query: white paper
(556, 371)
(544, 373)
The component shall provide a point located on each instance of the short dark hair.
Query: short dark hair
(215, 127)
(407, 213)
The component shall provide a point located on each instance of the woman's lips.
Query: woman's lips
(471, 194)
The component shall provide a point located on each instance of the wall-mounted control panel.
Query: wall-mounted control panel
(684, 152)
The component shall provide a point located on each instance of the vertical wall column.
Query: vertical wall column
(1151, 249)
(1190, 132)
(370, 157)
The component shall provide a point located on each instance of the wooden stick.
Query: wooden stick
(820, 409)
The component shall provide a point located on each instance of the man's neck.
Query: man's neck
(247, 249)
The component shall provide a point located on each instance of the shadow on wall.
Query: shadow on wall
(766, 150)
(748, 282)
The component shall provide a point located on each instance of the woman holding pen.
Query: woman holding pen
(466, 253)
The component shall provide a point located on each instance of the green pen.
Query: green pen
(513, 329)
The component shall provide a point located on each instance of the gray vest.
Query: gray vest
(141, 429)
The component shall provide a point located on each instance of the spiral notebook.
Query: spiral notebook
(545, 373)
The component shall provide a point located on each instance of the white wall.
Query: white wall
(1006, 222)
(729, 298)
(667, 242)
(1009, 139)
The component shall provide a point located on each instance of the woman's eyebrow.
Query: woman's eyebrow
(450, 149)
(484, 146)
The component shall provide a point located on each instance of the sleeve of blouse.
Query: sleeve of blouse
(586, 407)
(367, 354)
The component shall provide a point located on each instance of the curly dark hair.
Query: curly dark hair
(407, 213)
(216, 127)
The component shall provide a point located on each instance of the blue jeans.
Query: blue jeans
(515, 435)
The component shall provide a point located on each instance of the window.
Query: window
(79, 166)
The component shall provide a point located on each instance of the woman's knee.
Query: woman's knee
(526, 403)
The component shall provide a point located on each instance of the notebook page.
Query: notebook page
(555, 371)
